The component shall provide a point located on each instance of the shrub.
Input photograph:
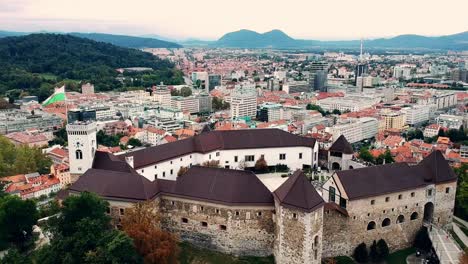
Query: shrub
(382, 249)
(360, 253)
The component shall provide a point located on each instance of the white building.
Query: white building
(450, 121)
(234, 149)
(417, 114)
(243, 102)
(186, 104)
(162, 95)
(81, 146)
(355, 130)
(431, 130)
(350, 103)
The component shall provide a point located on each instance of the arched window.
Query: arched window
(79, 154)
(400, 219)
(414, 216)
(386, 222)
(371, 225)
(316, 241)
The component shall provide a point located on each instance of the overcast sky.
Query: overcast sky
(210, 19)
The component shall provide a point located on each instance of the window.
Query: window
(414, 216)
(190, 156)
(164, 174)
(236, 158)
(79, 154)
(282, 156)
(386, 222)
(331, 194)
(372, 202)
(122, 211)
(204, 224)
(142, 171)
(371, 225)
(222, 227)
(202, 208)
(184, 220)
(400, 196)
(249, 158)
(217, 211)
(237, 213)
(172, 171)
(447, 190)
(155, 166)
(342, 202)
(172, 202)
(429, 192)
(217, 154)
(294, 215)
(180, 159)
(387, 199)
(300, 155)
(226, 166)
(209, 156)
(400, 219)
(108, 210)
(171, 161)
(155, 175)
(259, 214)
(412, 194)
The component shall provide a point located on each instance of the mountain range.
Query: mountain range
(277, 39)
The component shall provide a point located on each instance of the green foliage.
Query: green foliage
(415, 134)
(336, 112)
(106, 140)
(317, 108)
(461, 199)
(15, 257)
(382, 249)
(184, 91)
(17, 218)
(387, 157)
(37, 62)
(365, 155)
(219, 104)
(360, 253)
(422, 240)
(60, 138)
(22, 159)
(49, 209)
(134, 142)
(82, 234)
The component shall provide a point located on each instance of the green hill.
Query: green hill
(128, 41)
(36, 62)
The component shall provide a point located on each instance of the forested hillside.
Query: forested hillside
(35, 63)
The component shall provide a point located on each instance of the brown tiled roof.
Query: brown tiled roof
(390, 178)
(342, 145)
(336, 207)
(298, 193)
(107, 161)
(218, 140)
(115, 185)
(226, 186)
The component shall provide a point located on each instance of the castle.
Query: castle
(232, 211)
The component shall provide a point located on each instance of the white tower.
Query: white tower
(81, 146)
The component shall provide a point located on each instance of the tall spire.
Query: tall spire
(360, 55)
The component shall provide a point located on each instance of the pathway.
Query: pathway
(445, 247)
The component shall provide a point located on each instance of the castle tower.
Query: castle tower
(81, 146)
(299, 221)
(339, 154)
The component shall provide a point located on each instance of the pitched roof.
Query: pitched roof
(107, 161)
(226, 186)
(298, 193)
(115, 184)
(218, 140)
(389, 178)
(342, 145)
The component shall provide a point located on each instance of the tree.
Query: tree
(461, 199)
(261, 165)
(141, 223)
(373, 253)
(82, 233)
(317, 108)
(17, 218)
(185, 91)
(15, 257)
(365, 155)
(360, 253)
(219, 104)
(415, 134)
(382, 249)
(211, 163)
(336, 112)
(422, 240)
(182, 171)
(134, 142)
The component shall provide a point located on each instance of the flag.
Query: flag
(57, 96)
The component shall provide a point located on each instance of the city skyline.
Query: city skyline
(210, 20)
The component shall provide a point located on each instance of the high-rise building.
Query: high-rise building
(186, 104)
(162, 95)
(243, 102)
(318, 76)
(204, 103)
(213, 81)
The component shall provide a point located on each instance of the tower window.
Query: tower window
(79, 154)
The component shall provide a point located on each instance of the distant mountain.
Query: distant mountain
(11, 34)
(277, 39)
(250, 39)
(128, 41)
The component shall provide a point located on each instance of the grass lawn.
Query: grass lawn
(399, 257)
(190, 254)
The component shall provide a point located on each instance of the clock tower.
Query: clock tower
(81, 146)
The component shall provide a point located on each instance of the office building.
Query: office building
(243, 102)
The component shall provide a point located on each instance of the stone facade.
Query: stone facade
(298, 235)
(397, 218)
(237, 230)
